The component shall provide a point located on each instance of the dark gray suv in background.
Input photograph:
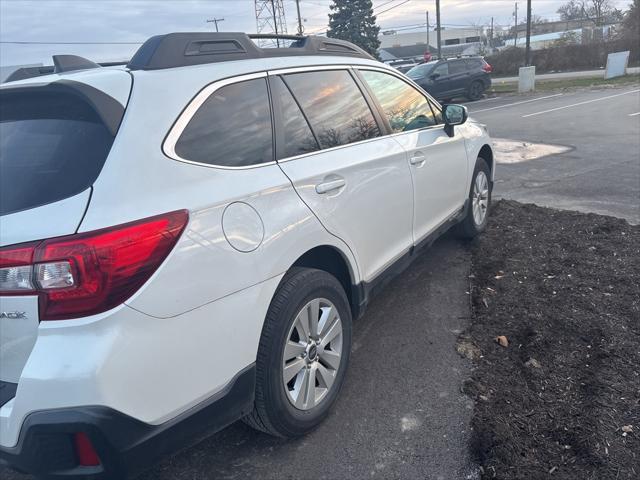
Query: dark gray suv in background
(454, 77)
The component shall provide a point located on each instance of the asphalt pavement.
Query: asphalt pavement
(600, 168)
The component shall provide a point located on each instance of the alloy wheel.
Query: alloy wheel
(312, 354)
(480, 199)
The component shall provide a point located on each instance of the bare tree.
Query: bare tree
(598, 11)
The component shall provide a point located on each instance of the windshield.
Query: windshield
(52, 146)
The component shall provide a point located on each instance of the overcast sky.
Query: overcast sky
(130, 21)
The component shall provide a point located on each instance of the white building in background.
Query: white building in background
(448, 36)
(454, 41)
(546, 40)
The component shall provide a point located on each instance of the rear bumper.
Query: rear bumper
(125, 445)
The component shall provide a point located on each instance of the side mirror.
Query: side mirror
(453, 115)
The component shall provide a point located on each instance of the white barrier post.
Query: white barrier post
(616, 64)
(526, 79)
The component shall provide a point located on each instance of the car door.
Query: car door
(438, 162)
(438, 83)
(354, 179)
(458, 76)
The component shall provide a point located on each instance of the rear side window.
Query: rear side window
(232, 128)
(457, 66)
(298, 137)
(474, 63)
(404, 106)
(334, 105)
(52, 146)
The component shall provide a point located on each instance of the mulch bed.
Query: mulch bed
(562, 400)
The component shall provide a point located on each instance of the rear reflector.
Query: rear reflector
(89, 273)
(87, 456)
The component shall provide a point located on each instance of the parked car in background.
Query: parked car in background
(403, 66)
(162, 279)
(448, 78)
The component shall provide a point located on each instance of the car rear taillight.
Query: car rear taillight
(486, 67)
(89, 273)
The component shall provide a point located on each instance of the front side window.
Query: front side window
(334, 106)
(442, 70)
(404, 106)
(420, 71)
(232, 128)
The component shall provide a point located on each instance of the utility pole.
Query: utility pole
(216, 20)
(428, 40)
(527, 54)
(438, 28)
(515, 39)
(300, 29)
(491, 34)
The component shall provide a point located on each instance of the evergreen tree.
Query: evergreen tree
(354, 21)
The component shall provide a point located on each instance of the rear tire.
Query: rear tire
(299, 371)
(479, 202)
(476, 90)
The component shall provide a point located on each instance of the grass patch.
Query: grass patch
(546, 85)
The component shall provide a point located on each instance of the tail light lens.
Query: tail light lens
(486, 67)
(89, 273)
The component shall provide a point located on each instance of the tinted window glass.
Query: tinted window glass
(421, 70)
(404, 106)
(436, 111)
(334, 105)
(232, 128)
(474, 63)
(298, 138)
(457, 66)
(442, 69)
(52, 146)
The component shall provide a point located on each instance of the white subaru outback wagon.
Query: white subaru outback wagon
(186, 239)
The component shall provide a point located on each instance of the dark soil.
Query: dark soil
(564, 288)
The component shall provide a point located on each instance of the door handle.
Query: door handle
(330, 185)
(417, 159)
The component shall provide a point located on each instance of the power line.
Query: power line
(391, 8)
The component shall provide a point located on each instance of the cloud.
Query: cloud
(137, 20)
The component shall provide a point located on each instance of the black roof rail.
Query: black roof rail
(182, 49)
(62, 63)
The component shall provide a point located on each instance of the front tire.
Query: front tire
(479, 202)
(303, 354)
